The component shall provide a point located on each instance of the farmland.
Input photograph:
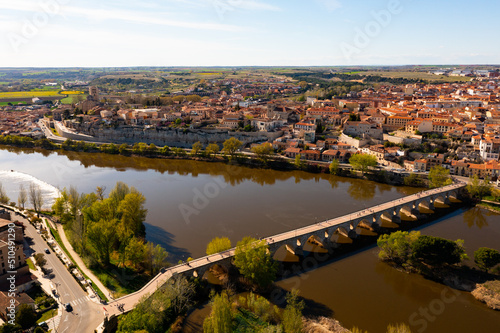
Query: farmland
(29, 94)
(72, 99)
(415, 75)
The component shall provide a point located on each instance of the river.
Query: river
(191, 202)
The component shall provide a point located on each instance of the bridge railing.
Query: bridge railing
(214, 258)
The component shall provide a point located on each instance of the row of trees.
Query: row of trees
(33, 195)
(99, 227)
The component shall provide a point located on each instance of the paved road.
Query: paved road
(86, 315)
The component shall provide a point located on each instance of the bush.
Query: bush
(397, 247)
(486, 258)
(436, 251)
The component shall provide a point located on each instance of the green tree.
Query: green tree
(152, 149)
(156, 256)
(140, 148)
(299, 163)
(478, 189)
(25, 316)
(133, 212)
(263, 151)
(436, 251)
(397, 247)
(123, 148)
(486, 258)
(439, 177)
(220, 319)
(148, 315)
(254, 261)
(196, 148)
(217, 245)
(292, 316)
(40, 260)
(102, 236)
(231, 145)
(212, 149)
(136, 251)
(334, 167)
(363, 162)
(4, 199)
(495, 193)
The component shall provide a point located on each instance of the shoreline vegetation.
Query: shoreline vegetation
(441, 260)
(181, 298)
(360, 166)
(121, 250)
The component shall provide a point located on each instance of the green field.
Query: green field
(417, 75)
(7, 103)
(73, 99)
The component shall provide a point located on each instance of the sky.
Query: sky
(112, 33)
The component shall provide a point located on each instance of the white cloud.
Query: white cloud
(252, 5)
(241, 4)
(330, 5)
(123, 15)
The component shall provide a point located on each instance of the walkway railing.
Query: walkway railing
(166, 274)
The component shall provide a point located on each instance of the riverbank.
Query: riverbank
(251, 160)
(489, 293)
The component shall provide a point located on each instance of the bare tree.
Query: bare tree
(23, 196)
(36, 198)
(100, 192)
(3, 196)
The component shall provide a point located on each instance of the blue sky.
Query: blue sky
(41, 33)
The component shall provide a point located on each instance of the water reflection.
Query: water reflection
(475, 217)
(233, 174)
(362, 191)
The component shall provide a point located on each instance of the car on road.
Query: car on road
(47, 250)
(68, 307)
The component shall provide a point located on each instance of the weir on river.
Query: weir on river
(294, 240)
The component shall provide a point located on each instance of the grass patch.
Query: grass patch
(53, 130)
(121, 281)
(47, 315)
(9, 103)
(30, 264)
(491, 198)
(73, 99)
(249, 322)
(56, 236)
(490, 206)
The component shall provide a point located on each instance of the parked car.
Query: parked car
(47, 250)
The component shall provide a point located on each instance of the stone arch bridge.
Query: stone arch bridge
(295, 240)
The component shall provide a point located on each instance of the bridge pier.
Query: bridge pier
(427, 203)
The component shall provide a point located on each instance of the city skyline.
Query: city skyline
(62, 33)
